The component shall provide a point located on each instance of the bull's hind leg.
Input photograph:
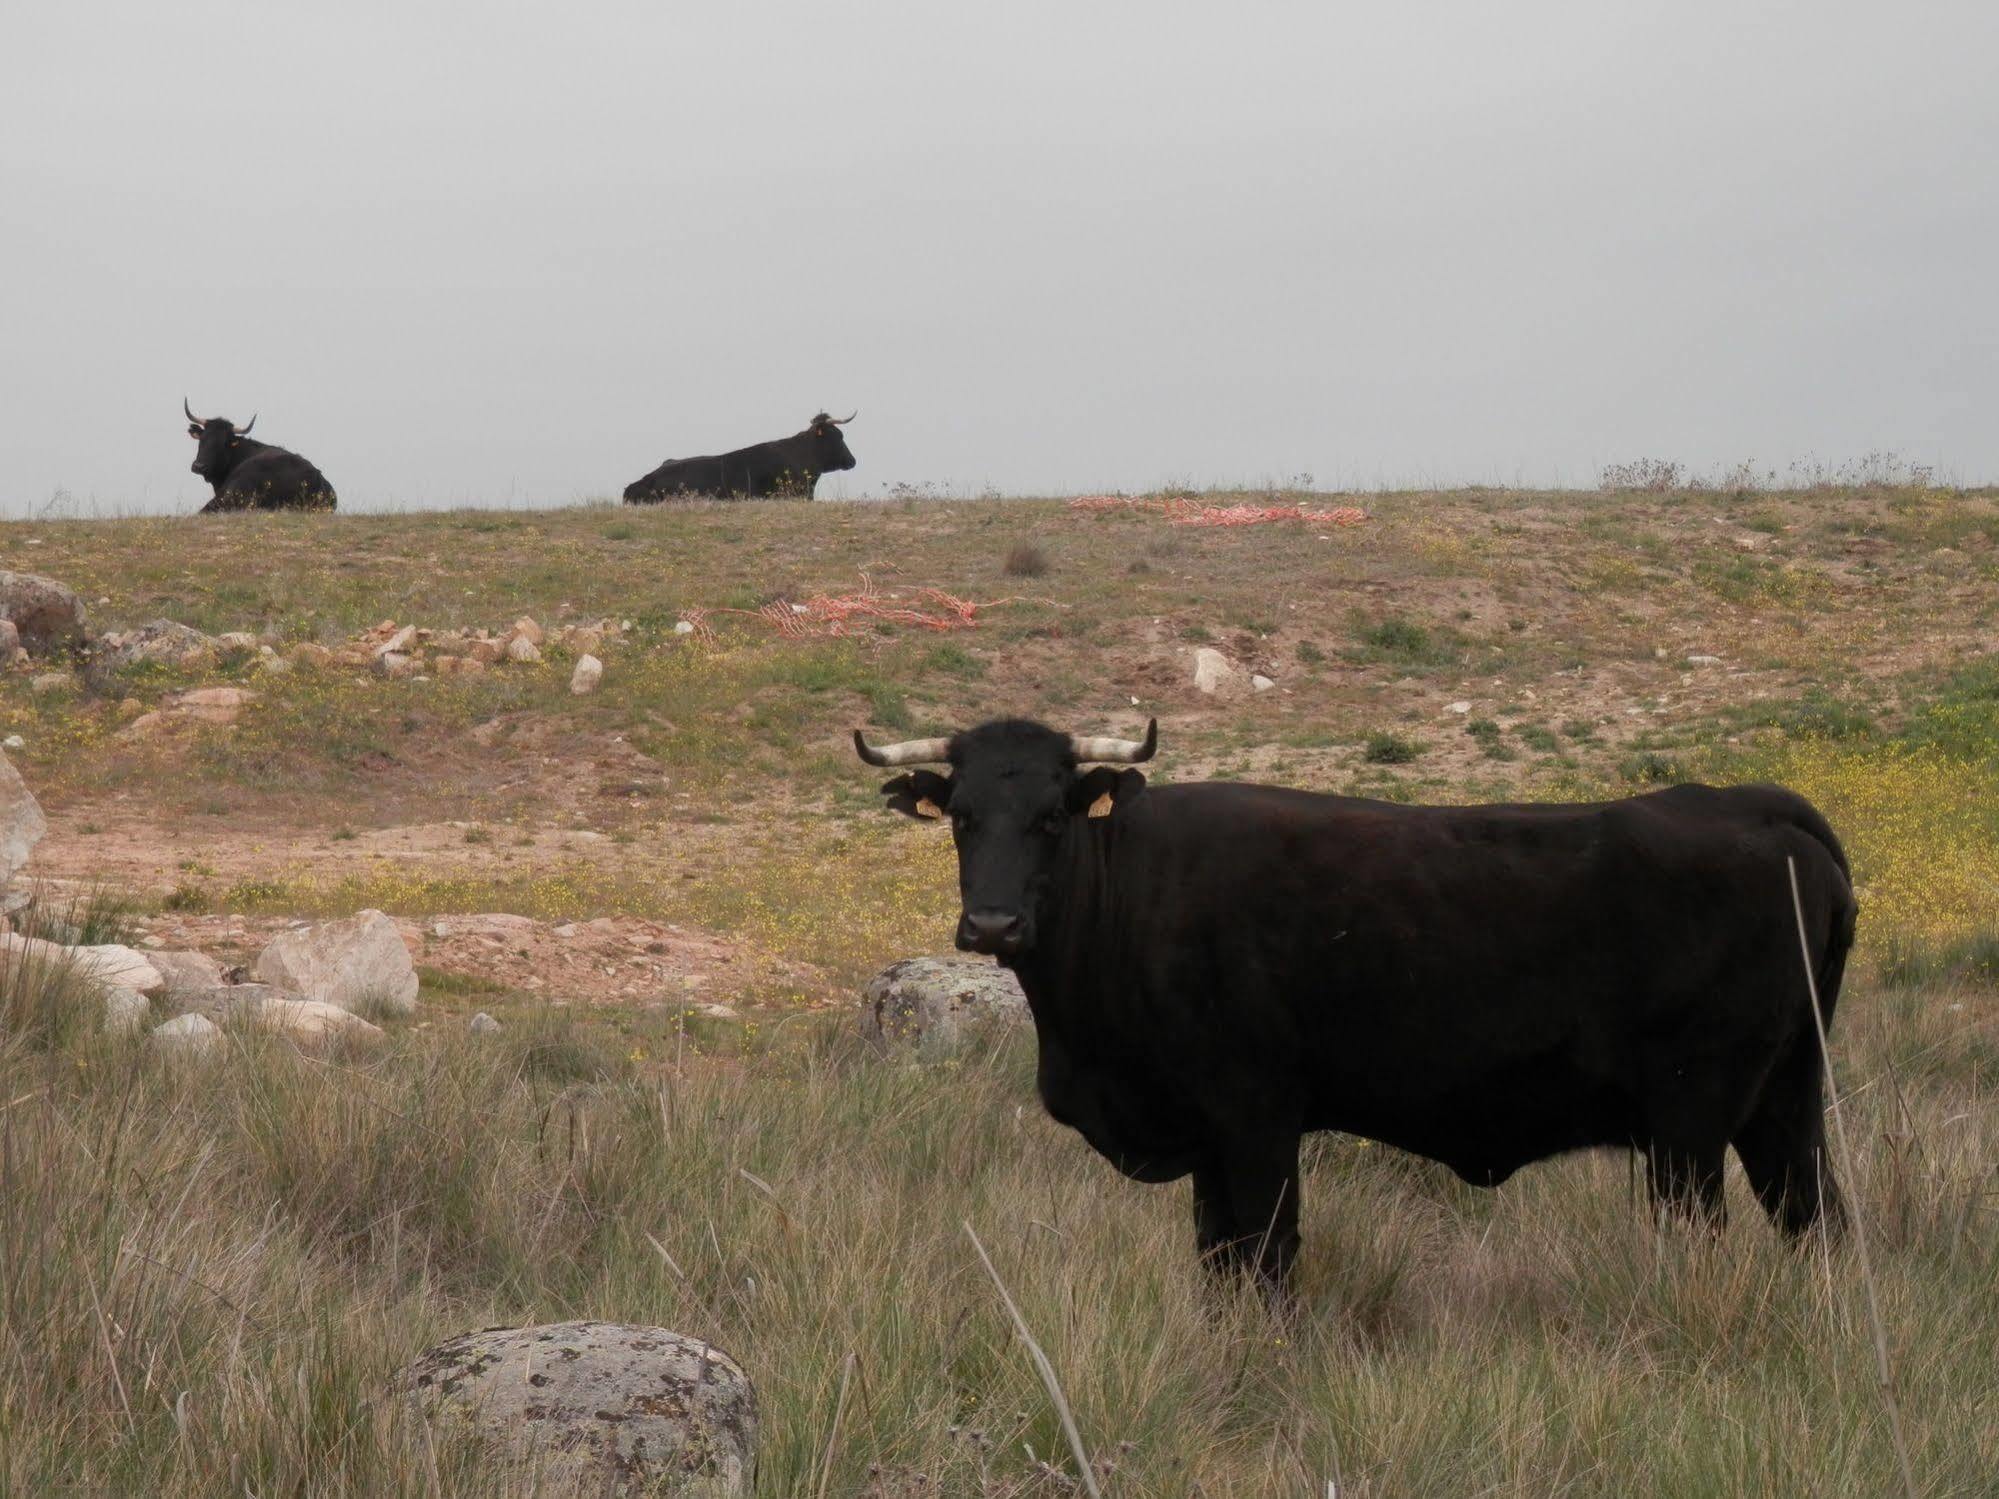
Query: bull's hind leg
(1782, 1146)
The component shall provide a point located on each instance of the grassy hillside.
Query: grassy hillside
(205, 1274)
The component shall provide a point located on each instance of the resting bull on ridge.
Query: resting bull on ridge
(790, 466)
(251, 475)
(1215, 969)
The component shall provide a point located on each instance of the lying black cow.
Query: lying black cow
(251, 475)
(790, 467)
(1215, 969)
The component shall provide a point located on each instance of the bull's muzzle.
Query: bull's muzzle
(997, 934)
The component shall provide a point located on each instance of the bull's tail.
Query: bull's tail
(1844, 910)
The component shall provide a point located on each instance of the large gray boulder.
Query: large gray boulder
(619, 1408)
(359, 964)
(47, 615)
(104, 963)
(936, 1003)
(187, 970)
(21, 822)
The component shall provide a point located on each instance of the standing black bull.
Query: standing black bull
(1215, 969)
(251, 475)
(791, 466)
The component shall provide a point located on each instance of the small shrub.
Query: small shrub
(1310, 654)
(1383, 748)
(1539, 737)
(1646, 475)
(1025, 559)
(1652, 769)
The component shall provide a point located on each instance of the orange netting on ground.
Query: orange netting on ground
(828, 615)
(1195, 513)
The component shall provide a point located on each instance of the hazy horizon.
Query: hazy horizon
(1046, 250)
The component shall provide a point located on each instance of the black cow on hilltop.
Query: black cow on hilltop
(1215, 969)
(251, 475)
(791, 466)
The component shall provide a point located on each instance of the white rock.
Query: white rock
(483, 1024)
(51, 681)
(682, 627)
(1703, 660)
(1458, 707)
(589, 672)
(358, 964)
(526, 629)
(125, 1010)
(522, 649)
(395, 664)
(21, 820)
(398, 643)
(13, 742)
(307, 1022)
(1214, 673)
(156, 640)
(105, 963)
(936, 1002)
(214, 704)
(612, 1406)
(237, 640)
(1260, 682)
(186, 1035)
(186, 970)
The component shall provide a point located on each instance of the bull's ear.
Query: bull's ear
(922, 794)
(1101, 789)
(193, 430)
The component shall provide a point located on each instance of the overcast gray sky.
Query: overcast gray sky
(517, 254)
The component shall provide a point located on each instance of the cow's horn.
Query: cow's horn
(244, 430)
(841, 421)
(909, 752)
(1117, 751)
(190, 411)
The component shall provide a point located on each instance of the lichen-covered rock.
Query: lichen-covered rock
(161, 640)
(46, 615)
(633, 1409)
(936, 1002)
(21, 822)
(359, 964)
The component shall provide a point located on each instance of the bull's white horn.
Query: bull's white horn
(1117, 751)
(909, 752)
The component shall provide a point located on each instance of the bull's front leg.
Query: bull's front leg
(1246, 1212)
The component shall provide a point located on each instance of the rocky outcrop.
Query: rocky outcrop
(619, 1408)
(936, 1003)
(47, 616)
(160, 640)
(359, 964)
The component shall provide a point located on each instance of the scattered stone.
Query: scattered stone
(186, 1036)
(581, 640)
(395, 664)
(398, 643)
(227, 1003)
(51, 681)
(936, 1002)
(1260, 682)
(708, 1011)
(358, 964)
(589, 672)
(522, 649)
(239, 642)
(46, 615)
(487, 652)
(483, 1024)
(1703, 660)
(1457, 707)
(21, 820)
(125, 1010)
(13, 742)
(10, 642)
(682, 627)
(625, 1409)
(144, 724)
(157, 640)
(526, 629)
(213, 704)
(1214, 673)
(311, 653)
(458, 666)
(273, 665)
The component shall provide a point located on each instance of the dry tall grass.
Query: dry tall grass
(208, 1270)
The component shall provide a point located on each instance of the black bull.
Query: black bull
(1215, 969)
(789, 466)
(250, 475)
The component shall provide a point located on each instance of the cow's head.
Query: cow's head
(829, 443)
(213, 438)
(1017, 793)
